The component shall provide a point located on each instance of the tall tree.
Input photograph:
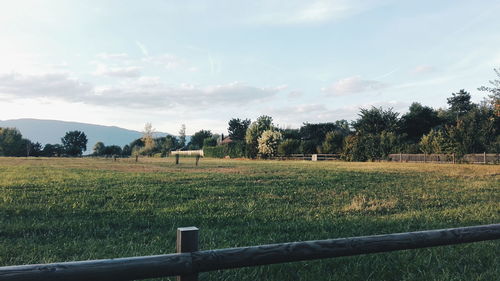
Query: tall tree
(419, 121)
(460, 103)
(316, 132)
(495, 92)
(148, 140)
(99, 148)
(376, 120)
(11, 142)
(254, 131)
(126, 151)
(333, 142)
(198, 138)
(237, 128)
(168, 144)
(74, 143)
(182, 136)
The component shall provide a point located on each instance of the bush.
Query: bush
(210, 142)
(268, 143)
(233, 150)
(289, 146)
(308, 147)
(213, 151)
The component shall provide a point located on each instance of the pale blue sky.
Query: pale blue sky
(200, 63)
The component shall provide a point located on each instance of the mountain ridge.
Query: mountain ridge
(51, 131)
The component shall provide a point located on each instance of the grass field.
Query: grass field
(76, 209)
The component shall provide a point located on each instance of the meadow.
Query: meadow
(67, 209)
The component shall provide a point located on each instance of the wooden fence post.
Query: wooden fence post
(484, 157)
(187, 241)
(453, 155)
(177, 159)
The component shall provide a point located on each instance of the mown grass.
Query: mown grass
(76, 209)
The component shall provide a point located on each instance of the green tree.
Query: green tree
(74, 143)
(418, 121)
(254, 131)
(495, 92)
(474, 131)
(35, 149)
(289, 146)
(316, 132)
(333, 142)
(11, 142)
(210, 142)
(52, 150)
(293, 134)
(460, 103)
(168, 144)
(111, 150)
(99, 148)
(376, 120)
(126, 150)
(434, 142)
(198, 138)
(308, 147)
(237, 128)
(268, 143)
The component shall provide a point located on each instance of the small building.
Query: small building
(226, 140)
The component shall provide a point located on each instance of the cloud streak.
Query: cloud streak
(304, 12)
(143, 48)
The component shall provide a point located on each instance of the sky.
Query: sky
(201, 63)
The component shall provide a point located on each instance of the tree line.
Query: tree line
(12, 143)
(463, 127)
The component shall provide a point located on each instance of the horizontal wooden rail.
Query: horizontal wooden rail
(201, 261)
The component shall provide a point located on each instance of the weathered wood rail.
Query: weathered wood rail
(477, 158)
(309, 157)
(189, 261)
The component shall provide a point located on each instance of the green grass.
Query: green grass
(55, 210)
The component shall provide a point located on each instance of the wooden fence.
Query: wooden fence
(478, 158)
(189, 260)
(310, 157)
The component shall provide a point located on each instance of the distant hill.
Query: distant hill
(51, 131)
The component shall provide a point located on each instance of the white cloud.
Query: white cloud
(166, 60)
(352, 85)
(58, 85)
(127, 71)
(145, 92)
(294, 116)
(150, 92)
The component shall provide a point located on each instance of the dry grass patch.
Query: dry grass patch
(363, 203)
